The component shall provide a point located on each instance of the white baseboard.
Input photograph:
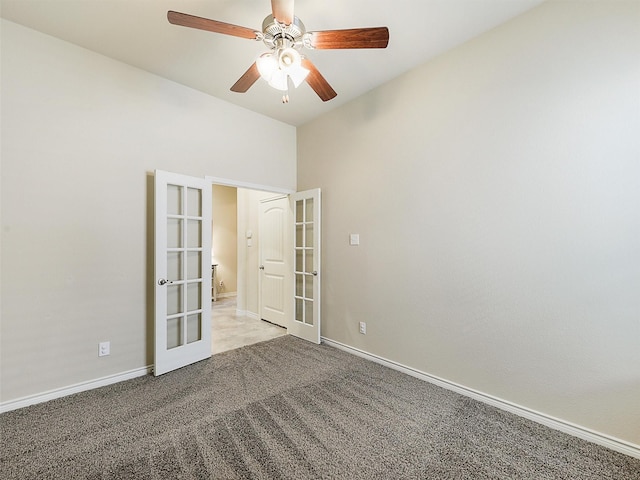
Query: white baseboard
(246, 313)
(226, 295)
(557, 424)
(252, 315)
(77, 388)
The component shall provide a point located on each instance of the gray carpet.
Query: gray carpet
(289, 409)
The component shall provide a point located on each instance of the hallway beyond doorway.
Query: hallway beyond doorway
(230, 331)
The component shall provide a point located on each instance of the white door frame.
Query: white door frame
(250, 186)
(241, 275)
(264, 188)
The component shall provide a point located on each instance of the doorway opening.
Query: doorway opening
(236, 318)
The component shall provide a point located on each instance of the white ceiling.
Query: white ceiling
(137, 32)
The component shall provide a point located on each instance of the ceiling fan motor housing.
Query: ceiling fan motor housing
(278, 35)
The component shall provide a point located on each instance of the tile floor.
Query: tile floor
(229, 331)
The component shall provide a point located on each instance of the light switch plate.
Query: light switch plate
(354, 239)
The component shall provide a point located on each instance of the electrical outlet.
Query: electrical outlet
(363, 328)
(221, 283)
(104, 349)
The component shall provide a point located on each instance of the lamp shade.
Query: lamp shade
(276, 68)
(267, 64)
(298, 75)
(289, 58)
(279, 80)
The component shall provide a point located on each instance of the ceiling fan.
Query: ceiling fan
(285, 35)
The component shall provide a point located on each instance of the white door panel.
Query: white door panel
(274, 260)
(306, 265)
(182, 271)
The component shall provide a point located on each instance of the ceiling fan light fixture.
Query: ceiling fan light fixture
(290, 62)
(267, 65)
(276, 67)
(268, 68)
(289, 58)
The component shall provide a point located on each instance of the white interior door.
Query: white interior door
(274, 260)
(307, 274)
(182, 271)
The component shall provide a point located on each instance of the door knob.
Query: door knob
(261, 267)
(162, 281)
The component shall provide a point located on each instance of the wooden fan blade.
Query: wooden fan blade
(192, 21)
(374, 37)
(282, 11)
(318, 82)
(245, 82)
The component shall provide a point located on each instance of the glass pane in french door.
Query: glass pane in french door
(174, 199)
(173, 333)
(304, 261)
(194, 328)
(184, 272)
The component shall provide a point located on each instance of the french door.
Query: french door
(182, 271)
(306, 210)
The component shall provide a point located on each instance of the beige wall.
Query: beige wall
(496, 191)
(224, 237)
(499, 227)
(81, 138)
